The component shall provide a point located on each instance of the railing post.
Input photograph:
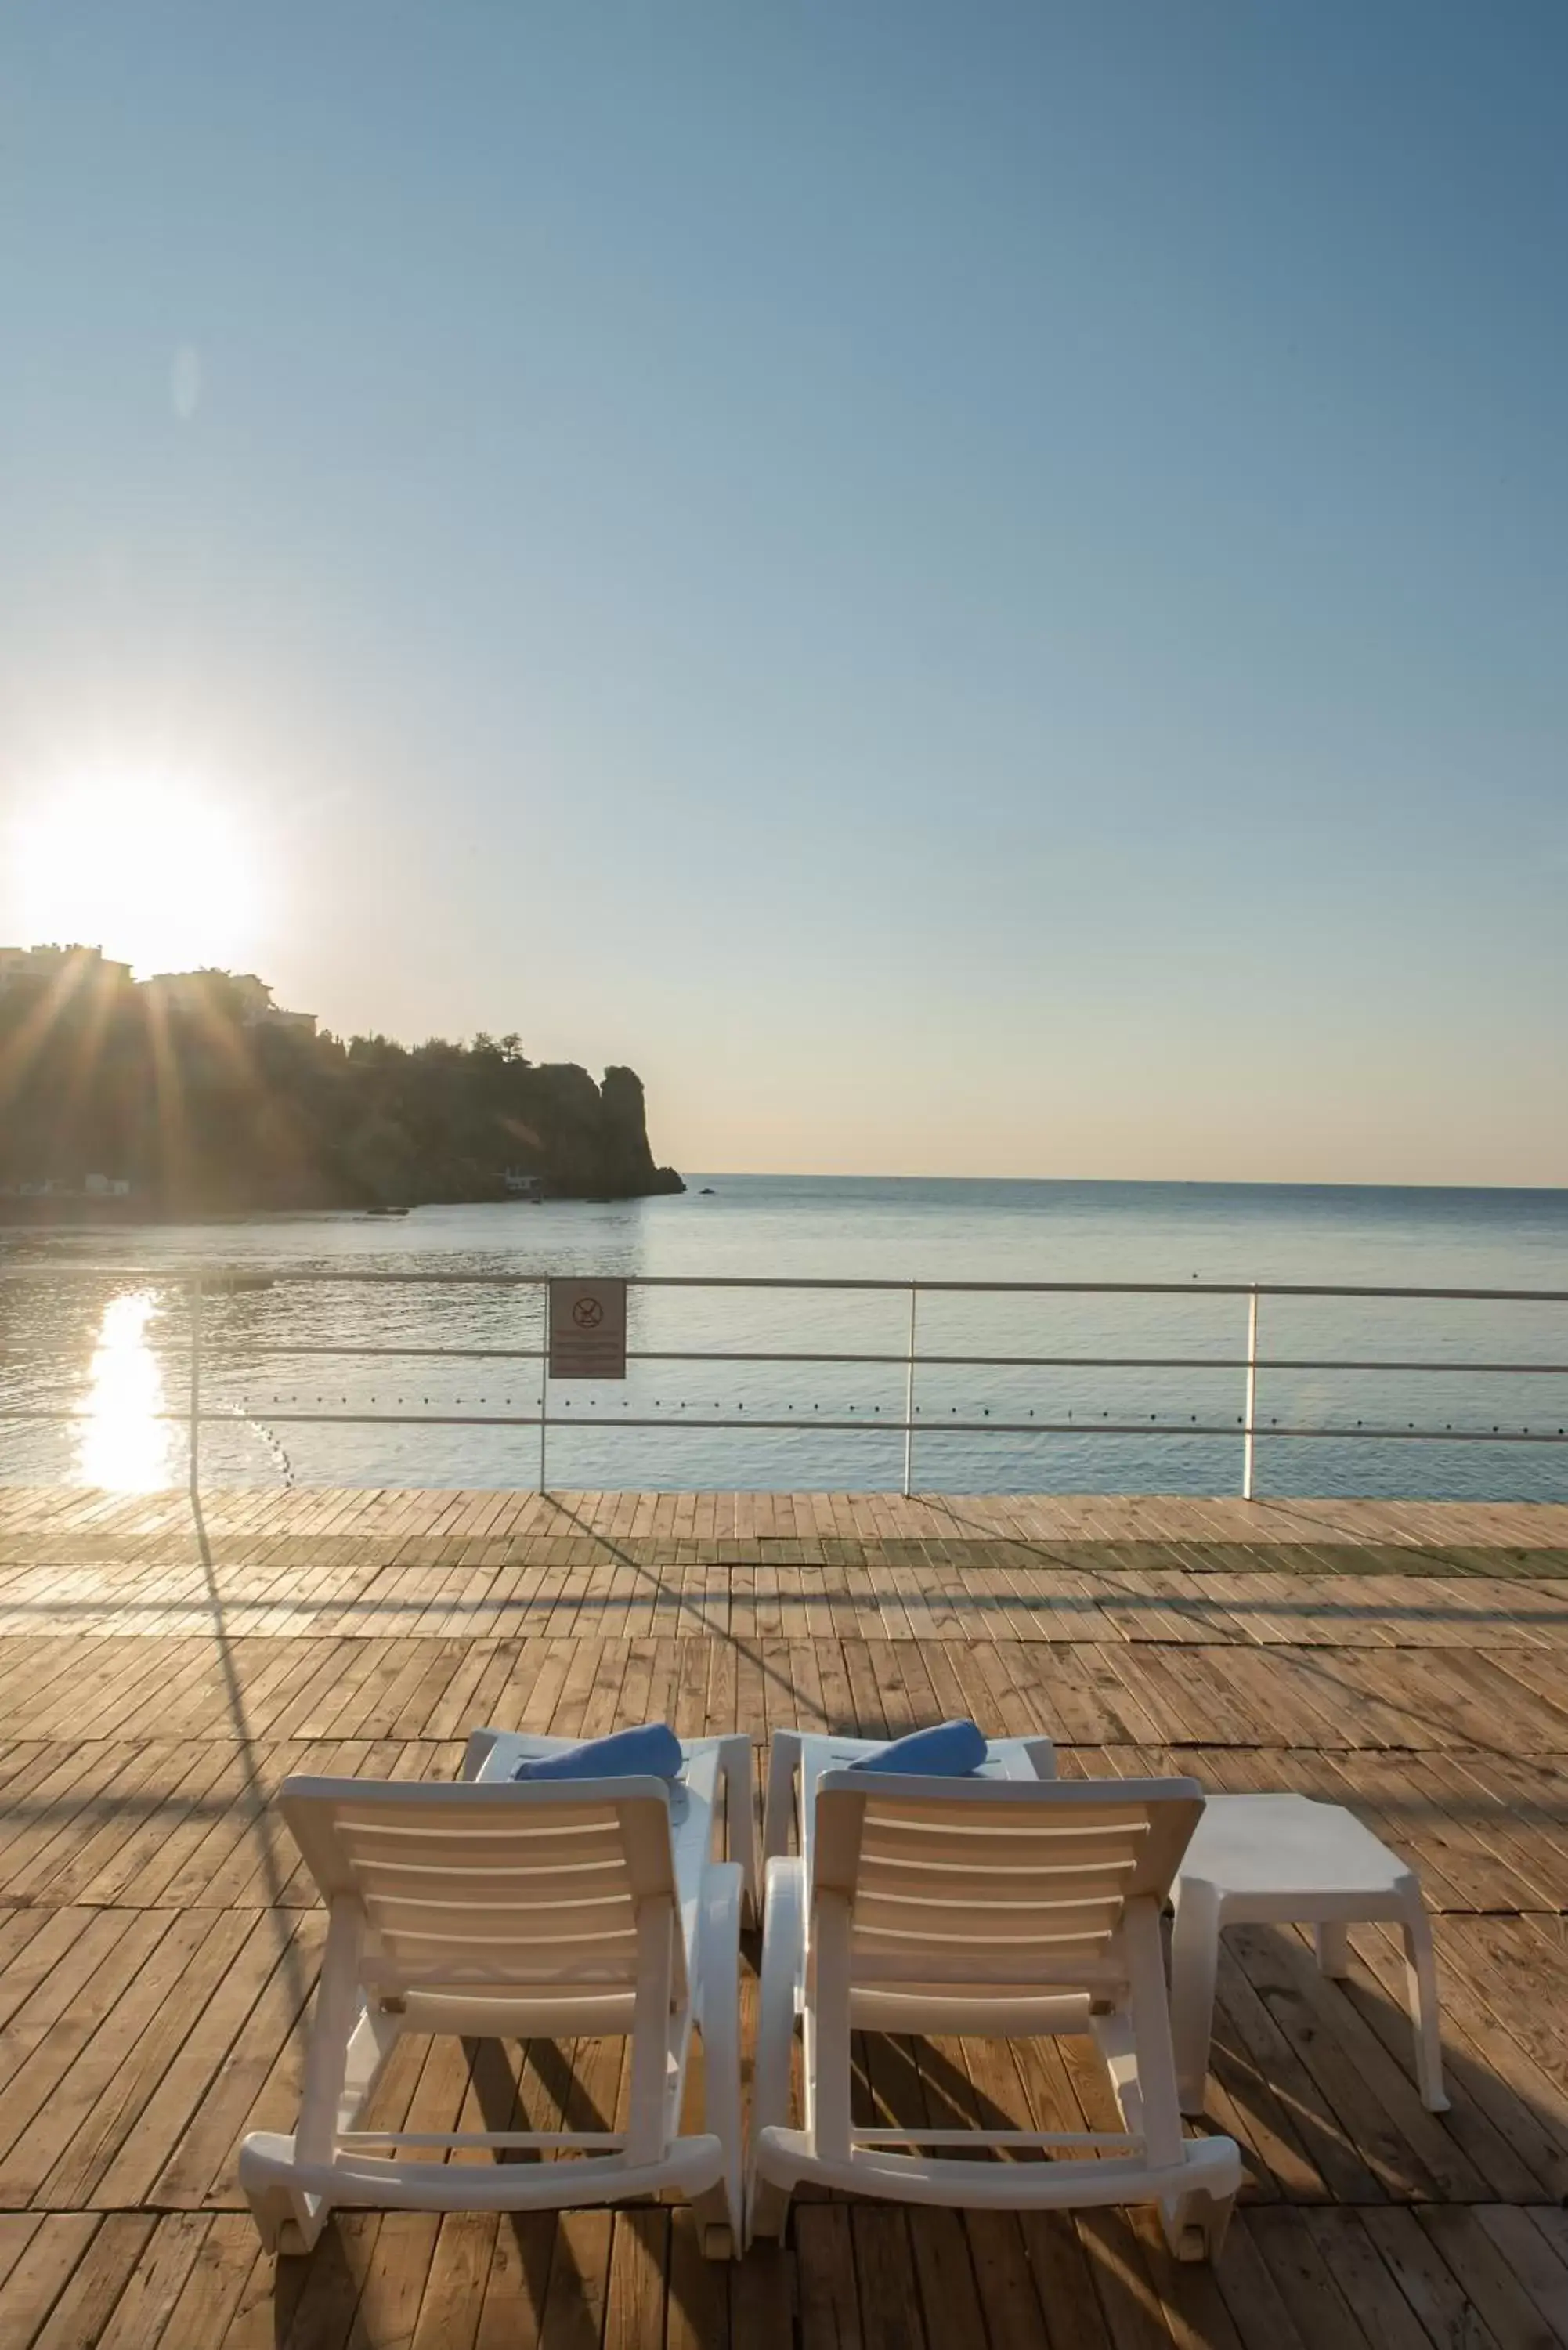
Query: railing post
(1250, 1415)
(909, 1395)
(544, 1382)
(195, 1427)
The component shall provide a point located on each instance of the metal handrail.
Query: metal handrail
(871, 1426)
(202, 1282)
(275, 1276)
(245, 1347)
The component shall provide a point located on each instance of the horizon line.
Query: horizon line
(1127, 1182)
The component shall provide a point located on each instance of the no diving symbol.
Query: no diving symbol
(587, 1329)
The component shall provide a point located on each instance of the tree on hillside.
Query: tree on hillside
(206, 1107)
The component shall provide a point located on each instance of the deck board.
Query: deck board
(160, 1673)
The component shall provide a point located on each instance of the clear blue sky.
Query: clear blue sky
(972, 589)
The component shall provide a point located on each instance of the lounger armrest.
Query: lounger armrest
(476, 1753)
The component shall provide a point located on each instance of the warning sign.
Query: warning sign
(587, 1329)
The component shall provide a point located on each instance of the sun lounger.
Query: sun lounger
(715, 1772)
(1002, 1905)
(553, 1909)
(797, 1759)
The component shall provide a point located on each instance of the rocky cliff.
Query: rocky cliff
(207, 1109)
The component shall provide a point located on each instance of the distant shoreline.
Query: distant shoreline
(79, 1215)
(1276, 1184)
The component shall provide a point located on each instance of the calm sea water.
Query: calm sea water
(111, 1347)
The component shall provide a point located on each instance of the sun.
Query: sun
(160, 872)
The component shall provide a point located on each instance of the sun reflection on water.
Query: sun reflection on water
(123, 1445)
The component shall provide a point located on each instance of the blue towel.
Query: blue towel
(652, 1752)
(953, 1750)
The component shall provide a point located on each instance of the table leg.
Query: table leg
(1194, 1967)
(1333, 1947)
(1421, 1977)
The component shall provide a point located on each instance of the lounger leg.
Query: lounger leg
(1194, 2221)
(1421, 1977)
(719, 2212)
(287, 2220)
(286, 2223)
(784, 1762)
(371, 2043)
(741, 1824)
(1333, 1948)
(767, 2210)
(1194, 2225)
(783, 1945)
(1194, 1967)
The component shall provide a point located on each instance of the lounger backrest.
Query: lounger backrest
(490, 1886)
(994, 1881)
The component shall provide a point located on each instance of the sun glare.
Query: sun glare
(124, 1444)
(159, 873)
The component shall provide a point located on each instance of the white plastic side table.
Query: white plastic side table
(1272, 1860)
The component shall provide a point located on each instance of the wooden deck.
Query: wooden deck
(159, 1675)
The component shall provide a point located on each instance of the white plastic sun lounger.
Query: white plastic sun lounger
(981, 1906)
(715, 1772)
(798, 1758)
(553, 1909)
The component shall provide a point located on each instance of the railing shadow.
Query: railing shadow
(698, 1606)
(295, 1973)
(334, 1616)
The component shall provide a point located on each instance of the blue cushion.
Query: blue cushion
(652, 1752)
(953, 1750)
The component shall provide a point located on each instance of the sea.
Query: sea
(1073, 1392)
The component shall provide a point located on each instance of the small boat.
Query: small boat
(386, 1212)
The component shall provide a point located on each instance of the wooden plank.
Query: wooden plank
(824, 2266)
(887, 2266)
(1488, 2277)
(78, 2309)
(144, 2311)
(1352, 2259)
(697, 2312)
(453, 2301)
(43, 2256)
(1321, 2312)
(640, 2252)
(1427, 2281)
